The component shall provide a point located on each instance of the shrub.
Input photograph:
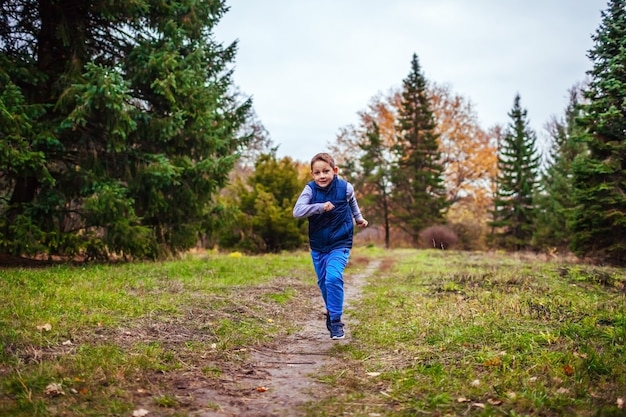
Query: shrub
(439, 237)
(470, 236)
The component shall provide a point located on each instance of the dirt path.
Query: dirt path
(280, 380)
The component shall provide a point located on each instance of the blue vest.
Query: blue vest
(331, 229)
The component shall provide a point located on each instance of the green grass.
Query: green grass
(434, 333)
(103, 331)
(451, 333)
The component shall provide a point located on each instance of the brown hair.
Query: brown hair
(324, 157)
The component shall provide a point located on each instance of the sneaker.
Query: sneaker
(336, 330)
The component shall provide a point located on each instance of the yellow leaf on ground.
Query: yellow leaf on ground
(47, 327)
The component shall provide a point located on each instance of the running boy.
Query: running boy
(330, 205)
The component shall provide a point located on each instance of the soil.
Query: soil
(9, 261)
(280, 380)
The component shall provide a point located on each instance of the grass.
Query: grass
(104, 332)
(435, 333)
(450, 333)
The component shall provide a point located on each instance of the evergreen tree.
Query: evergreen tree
(599, 223)
(375, 180)
(263, 222)
(123, 125)
(554, 199)
(518, 165)
(418, 190)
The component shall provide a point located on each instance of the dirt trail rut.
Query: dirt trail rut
(281, 379)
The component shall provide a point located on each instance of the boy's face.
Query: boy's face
(322, 173)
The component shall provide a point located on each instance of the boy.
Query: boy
(330, 205)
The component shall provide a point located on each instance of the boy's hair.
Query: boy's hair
(324, 157)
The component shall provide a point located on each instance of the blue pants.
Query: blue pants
(329, 267)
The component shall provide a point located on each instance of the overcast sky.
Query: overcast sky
(311, 65)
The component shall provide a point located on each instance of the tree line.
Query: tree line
(123, 135)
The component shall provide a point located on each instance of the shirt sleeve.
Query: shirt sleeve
(304, 208)
(354, 206)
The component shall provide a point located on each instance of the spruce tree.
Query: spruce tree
(599, 223)
(264, 208)
(374, 182)
(518, 165)
(124, 127)
(418, 190)
(554, 199)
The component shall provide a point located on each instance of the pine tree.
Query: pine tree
(375, 180)
(263, 219)
(418, 190)
(554, 199)
(599, 223)
(125, 128)
(518, 164)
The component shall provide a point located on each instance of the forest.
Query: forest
(125, 137)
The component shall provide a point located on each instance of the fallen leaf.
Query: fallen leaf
(47, 327)
(463, 400)
(372, 373)
(261, 389)
(67, 343)
(478, 405)
(532, 378)
(568, 370)
(494, 402)
(141, 412)
(54, 389)
(512, 395)
(495, 361)
(562, 390)
(620, 403)
(475, 383)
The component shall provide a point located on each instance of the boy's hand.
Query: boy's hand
(362, 223)
(328, 206)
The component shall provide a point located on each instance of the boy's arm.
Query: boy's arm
(304, 208)
(354, 206)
